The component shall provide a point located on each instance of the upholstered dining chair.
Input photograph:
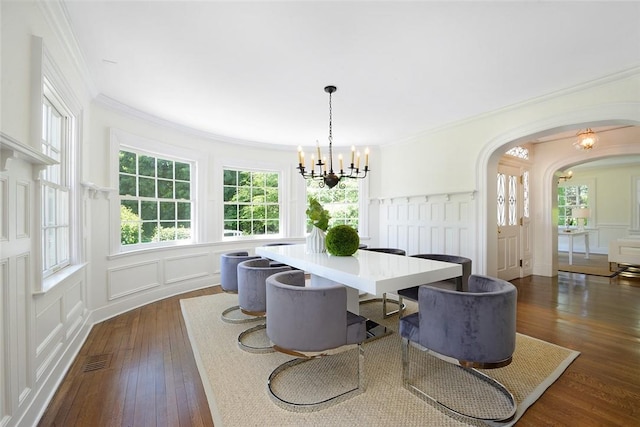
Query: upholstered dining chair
(459, 283)
(229, 280)
(276, 263)
(474, 329)
(252, 296)
(310, 322)
(385, 300)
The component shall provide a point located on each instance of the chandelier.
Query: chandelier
(318, 169)
(586, 140)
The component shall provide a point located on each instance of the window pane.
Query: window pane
(244, 178)
(244, 194)
(146, 166)
(129, 232)
(167, 210)
(183, 171)
(149, 210)
(132, 205)
(258, 179)
(230, 212)
(272, 180)
(230, 177)
(148, 232)
(229, 193)
(273, 211)
(271, 195)
(147, 187)
(184, 210)
(165, 189)
(167, 231)
(127, 162)
(165, 169)
(127, 185)
(183, 190)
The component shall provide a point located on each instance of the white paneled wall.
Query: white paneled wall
(441, 223)
(40, 332)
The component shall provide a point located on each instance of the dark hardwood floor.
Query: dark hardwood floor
(150, 378)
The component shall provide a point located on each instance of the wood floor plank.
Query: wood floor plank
(153, 361)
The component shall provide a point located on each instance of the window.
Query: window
(251, 203)
(57, 137)
(571, 197)
(342, 201)
(155, 198)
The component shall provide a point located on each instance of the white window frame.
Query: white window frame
(122, 140)
(61, 186)
(47, 78)
(280, 205)
(591, 184)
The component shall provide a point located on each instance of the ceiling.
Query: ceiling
(255, 71)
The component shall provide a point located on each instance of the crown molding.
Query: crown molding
(127, 110)
(610, 78)
(56, 15)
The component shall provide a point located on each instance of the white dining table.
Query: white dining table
(365, 271)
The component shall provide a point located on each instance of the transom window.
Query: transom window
(251, 203)
(342, 201)
(155, 198)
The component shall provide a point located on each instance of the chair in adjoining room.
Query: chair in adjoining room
(309, 323)
(469, 330)
(459, 283)
(252, 297)
(385, 300)
(229, 280)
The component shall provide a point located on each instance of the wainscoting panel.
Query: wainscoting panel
(5, 386)
(4, 217)
(132, 278)
(186, 267)
(22, 210)
(23, 362)
(49, 321)
(429, 224)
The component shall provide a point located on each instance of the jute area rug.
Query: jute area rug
(235, 381)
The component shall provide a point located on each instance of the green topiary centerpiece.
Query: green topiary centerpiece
(342, 240)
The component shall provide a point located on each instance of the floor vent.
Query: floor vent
(99, 361)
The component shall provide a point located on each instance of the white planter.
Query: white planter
(315, 241)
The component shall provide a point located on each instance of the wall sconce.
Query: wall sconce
(565, 178)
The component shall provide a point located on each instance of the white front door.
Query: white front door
(509, 206)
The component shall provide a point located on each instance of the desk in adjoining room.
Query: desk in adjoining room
(571, 234)
(371, 272)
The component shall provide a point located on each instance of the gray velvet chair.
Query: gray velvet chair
(252, 297)
(277, 263)
(476, 328)
(459, 283)
(385, 300)
(229, 280)
(309, 322)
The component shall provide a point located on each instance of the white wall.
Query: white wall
(464, 157)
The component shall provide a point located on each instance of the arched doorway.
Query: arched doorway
(546, 238)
